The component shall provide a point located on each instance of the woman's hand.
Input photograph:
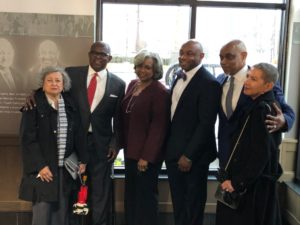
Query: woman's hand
(45, 174)
(82, 168)
(227, 186)
(142, 165)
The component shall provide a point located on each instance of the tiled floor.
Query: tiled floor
(24, 218)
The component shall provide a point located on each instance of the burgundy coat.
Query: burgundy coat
(145, 126)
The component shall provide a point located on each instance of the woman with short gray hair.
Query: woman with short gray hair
(253, 169)
(50, 132)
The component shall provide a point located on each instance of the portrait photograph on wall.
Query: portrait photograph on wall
(30, 42)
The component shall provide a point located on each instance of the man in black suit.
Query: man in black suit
(98, 113)
(191, 144)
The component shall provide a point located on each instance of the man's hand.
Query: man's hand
(112, 154)
(275, 123)
(142, 165)
(30, 101)
(184, 164)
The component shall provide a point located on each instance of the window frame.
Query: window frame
(193, 4)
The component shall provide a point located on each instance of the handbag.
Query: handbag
(232, 199)
(72, 166)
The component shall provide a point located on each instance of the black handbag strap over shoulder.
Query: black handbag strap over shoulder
(236, 143)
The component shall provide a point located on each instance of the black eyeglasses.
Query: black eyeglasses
(99, 54)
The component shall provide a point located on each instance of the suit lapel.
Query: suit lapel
(187, 88)
(82, 88)
(106, 92)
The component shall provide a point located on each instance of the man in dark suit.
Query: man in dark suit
(233, 57)
(98, 113)
(191, 144)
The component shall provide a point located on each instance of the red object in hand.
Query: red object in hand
(82, 194)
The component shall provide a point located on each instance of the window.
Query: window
(130, 26)
(247, 1)
(134, 28)
(258, 28)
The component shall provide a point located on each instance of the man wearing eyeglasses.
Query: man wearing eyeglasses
(98, 94)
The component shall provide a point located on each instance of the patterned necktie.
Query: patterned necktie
(92, 89)
(228, 100)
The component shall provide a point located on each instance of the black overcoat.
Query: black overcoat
(38, 133)
(255, 168)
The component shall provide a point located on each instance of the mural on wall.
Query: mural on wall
(28, 43)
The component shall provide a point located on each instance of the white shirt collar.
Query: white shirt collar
(101, 73)
(51, 102)
(241, 74)
(193, 71)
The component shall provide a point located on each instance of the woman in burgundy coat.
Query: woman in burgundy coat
(145, 120)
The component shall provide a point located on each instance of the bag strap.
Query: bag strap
(236, 143)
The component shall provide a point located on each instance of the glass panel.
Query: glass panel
(253, 1)
(258, 28)
(130, 28)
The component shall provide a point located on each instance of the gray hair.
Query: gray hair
(157, 63)
(53, 69)
(270, 72)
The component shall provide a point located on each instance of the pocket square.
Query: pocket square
(113, 96)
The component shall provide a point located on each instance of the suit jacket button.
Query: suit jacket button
(54, 131)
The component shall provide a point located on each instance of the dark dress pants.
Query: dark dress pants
(189, 193)
(141, 194)
(99, 181)
(52, 213)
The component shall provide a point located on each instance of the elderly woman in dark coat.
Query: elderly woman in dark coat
(254, 167)
(145, 119)
(50, 133)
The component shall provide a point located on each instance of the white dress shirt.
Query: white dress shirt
(180, 87)
(101, 84)
(239, 79)
(100, 89)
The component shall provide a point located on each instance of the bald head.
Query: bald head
(190, 55)
(101, 44)
(238, 44)
(233, 56)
